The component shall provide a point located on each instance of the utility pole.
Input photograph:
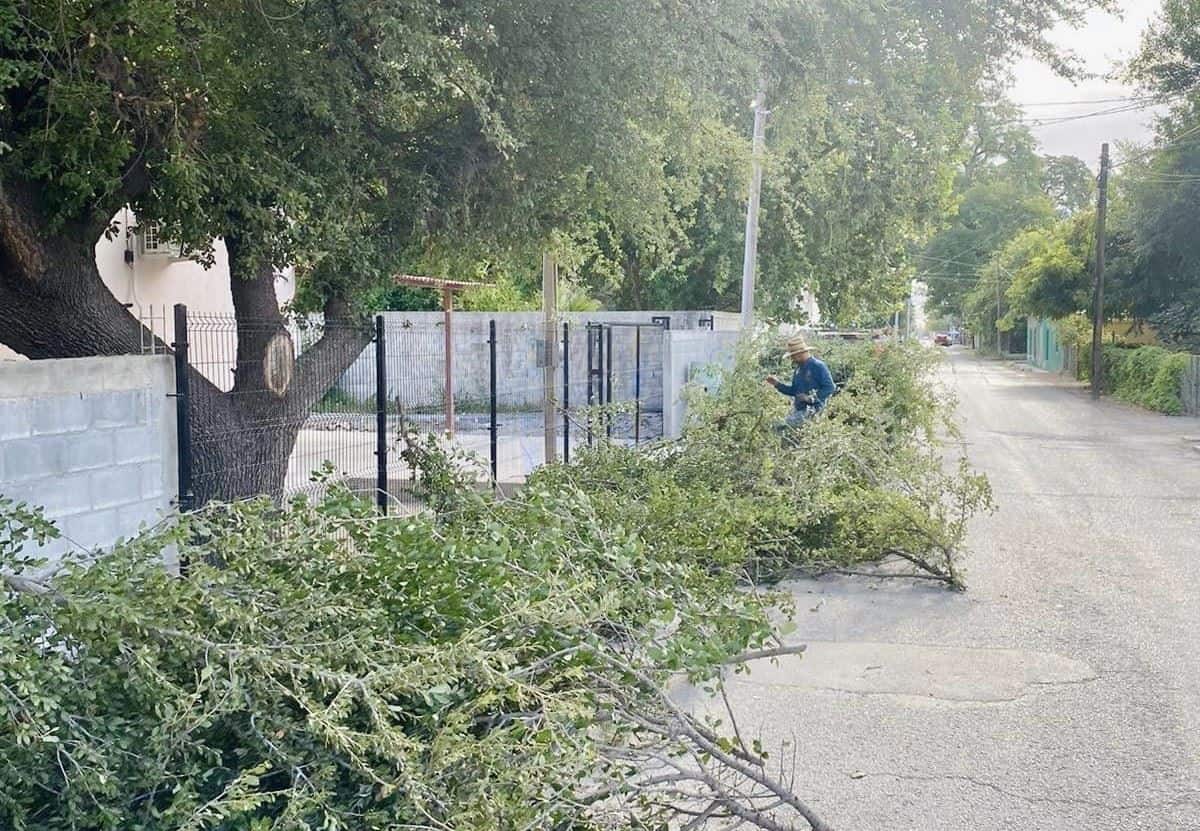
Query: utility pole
(1098, 293)
(550, 357)
(749, 262)
(999, 351)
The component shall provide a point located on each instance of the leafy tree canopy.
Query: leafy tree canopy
(1155, 249)
(990, 215)
(1069, 183)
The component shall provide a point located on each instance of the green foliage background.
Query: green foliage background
(1152, 252)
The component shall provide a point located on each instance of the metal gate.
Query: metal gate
(625, 366)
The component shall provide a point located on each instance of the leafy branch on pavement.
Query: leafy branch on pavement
(868, 481)
(485, 664)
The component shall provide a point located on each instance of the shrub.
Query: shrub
(1148, 376)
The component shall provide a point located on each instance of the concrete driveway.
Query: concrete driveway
(1061, 692)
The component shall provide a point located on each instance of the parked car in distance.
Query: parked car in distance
(941, 339)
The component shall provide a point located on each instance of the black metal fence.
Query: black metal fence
(620, 379)
(286, 408)
(253, 410)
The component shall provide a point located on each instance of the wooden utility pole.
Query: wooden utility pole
(999, 351)
(750, 257)
(1098, 287)
(448, 334)
(550, 356)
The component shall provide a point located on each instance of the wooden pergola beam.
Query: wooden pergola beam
(447, 289)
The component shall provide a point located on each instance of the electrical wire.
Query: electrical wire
(1081, 102)
(1052, 121)
(1158, 148)
(1123, 105)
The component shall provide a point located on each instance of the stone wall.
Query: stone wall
(416, 356)
(92, 441)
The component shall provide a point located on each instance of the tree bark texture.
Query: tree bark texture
(53, 304)
(243, 438)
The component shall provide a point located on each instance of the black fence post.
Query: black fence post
(591, 375)
(183, 418)
(637, 386)
(492, 425)
(566, 404)
(381, 426)
(608, 366)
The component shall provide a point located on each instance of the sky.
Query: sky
(1104, 42)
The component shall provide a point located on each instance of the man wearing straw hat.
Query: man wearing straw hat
(811, 383)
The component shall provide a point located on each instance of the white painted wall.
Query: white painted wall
(151, 285)
(688, 356)
(416, 343)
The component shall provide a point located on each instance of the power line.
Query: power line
(978, 266)
(1083, 101)
(1158, 148)
(1051, 121)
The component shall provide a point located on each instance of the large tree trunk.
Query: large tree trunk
(53, 304)
(243, 439)
(52, 301)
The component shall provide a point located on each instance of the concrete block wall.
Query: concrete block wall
(92, 441)
(416, 357)
(689, 356)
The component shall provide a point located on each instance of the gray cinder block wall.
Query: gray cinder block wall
(92, 441)
(416, 357)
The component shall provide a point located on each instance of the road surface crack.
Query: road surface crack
(1039, 800)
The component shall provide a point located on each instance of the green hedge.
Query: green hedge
(1149, 376)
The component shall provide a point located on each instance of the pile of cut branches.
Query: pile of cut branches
(498, 666)
(873, 482)
(485, 665)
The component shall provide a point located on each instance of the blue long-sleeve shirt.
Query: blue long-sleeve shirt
(810, 377)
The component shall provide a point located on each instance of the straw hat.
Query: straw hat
(797, 345)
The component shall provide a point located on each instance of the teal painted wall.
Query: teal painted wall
(1046, 351)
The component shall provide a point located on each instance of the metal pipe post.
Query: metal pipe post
(549, 338)
(381, 399)
(591, 375)
(608, 361)
(492, 423)
(637, 386)
(566, 401)
(448, 319)
(183, 419)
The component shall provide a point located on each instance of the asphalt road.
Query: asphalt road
(1061, 691)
